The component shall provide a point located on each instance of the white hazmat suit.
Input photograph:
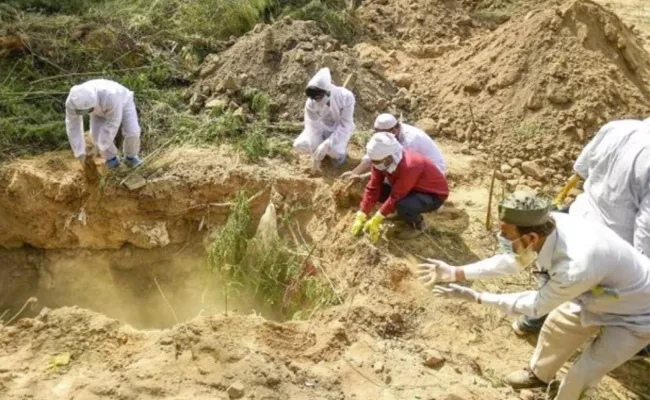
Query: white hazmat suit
(329, 123)
(112, 106)
(616, 168)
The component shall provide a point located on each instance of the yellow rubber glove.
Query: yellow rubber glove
(372, 227)
(359, 220)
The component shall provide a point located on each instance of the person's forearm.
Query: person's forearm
(362, 168)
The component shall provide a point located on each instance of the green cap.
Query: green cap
(524, 208)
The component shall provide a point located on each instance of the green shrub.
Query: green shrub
(55, 6)
(336, 21)
(271, 275)
(256, 144)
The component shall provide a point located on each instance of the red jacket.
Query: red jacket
(414, 173)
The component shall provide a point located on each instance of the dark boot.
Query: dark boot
(412, 231)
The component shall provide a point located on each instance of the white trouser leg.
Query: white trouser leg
(131, 130)
(104, 142)
(612, 347)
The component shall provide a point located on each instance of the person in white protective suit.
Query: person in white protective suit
(592, 283)
(110, 105)
(615, 165)
(329, 120)
(410, 137)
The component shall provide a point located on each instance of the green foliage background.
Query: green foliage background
(153, 47)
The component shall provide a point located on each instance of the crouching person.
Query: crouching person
(329, 121)
(404, 181)
(593, 283)
(110, 106)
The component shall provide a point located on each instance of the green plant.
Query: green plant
(529, 130)
(332, 17)
(55, 6)
(256, 144)
(270, 275)
(362, 137)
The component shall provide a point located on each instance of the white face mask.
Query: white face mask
(525, 258)
(324, 100)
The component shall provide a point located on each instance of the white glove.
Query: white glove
(456, 292)
(322, 150)
(436, 271)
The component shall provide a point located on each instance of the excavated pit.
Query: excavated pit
(136, 256)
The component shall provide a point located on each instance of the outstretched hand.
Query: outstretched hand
(436, 271)
(456, 292)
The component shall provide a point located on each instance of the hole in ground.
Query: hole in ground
(156, 288)
(118, 283)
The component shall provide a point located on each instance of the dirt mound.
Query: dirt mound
(535, 89)
(280, 59)
(425, 23)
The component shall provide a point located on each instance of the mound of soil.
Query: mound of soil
(281, 58)
(535, 89)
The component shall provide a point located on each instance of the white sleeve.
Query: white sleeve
(642, 219)
(536, 304)
(642, 227)
(493, 267)
(581, 166)
(74, 125)
(345, 127)
(438, 159)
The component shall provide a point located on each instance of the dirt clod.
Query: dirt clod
(236, 390)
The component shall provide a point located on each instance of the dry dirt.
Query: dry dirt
(538, 74)
(372, 346)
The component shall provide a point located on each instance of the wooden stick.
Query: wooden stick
(488, 217)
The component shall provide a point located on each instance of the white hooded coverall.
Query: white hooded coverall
(113, 106)
(328, 127)
(616, 168)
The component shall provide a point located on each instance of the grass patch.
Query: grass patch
(333, 18)
(529, 130)
(256, 144)
(274, 276)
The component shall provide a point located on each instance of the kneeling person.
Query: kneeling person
(329, 120)
(405, 181)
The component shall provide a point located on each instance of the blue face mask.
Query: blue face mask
(506, 244)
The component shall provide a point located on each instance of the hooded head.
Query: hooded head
(384, 151)
(525, 223)
(319, 87)
(83, 98)
(322, 80)
(387, 123)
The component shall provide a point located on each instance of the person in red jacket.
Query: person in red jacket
(405, 181)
